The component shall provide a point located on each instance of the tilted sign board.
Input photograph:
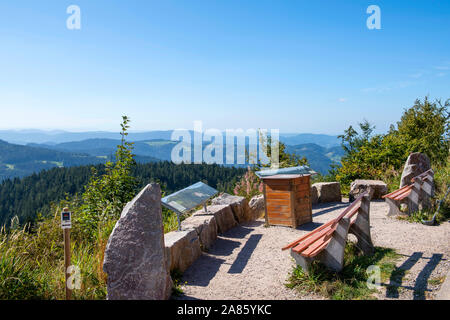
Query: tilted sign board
(187, 199)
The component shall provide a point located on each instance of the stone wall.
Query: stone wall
(201, 229)
(139, 256)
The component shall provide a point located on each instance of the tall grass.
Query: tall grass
(32, 259)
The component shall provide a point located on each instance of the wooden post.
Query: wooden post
(66, 231)
(266, 218)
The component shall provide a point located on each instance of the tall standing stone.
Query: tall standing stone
(416, 164)
(135, 259)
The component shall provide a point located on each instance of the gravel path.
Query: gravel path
(247, 262)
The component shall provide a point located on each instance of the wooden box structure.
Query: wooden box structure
(287, 199)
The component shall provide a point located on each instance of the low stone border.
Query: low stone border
(200, 231)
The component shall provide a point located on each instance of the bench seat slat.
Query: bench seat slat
(306, 243)
(319, 248)
(394, 193)
(354, 210)
(294, 243)
(403, 194)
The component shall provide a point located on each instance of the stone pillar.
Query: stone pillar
(361, 227)
(135, 257)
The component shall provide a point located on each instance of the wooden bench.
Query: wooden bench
(327, 242)
(418, 192)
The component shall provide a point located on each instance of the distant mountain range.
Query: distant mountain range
(21, 160)
(58, 136)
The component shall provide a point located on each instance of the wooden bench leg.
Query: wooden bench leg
(361, 228)
(302, 261)
(394, 207)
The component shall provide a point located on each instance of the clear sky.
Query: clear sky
(297, 66)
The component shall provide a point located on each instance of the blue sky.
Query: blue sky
(297, 66)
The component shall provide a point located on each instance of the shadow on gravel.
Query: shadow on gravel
(422, 279)
(310, 226)
(328, 207)
(238, 232)
(245, 254)
(224, 247)
(397, 275)
(421, 282)
(209, 265)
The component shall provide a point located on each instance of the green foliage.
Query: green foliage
(351, 282)
(423, 128)
(106, 195)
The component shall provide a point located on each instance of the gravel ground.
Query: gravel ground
(247, 262)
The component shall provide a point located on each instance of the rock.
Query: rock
(257, 207)
(206, 227)
(183, 248)
(328, 191)
(224, 217)
(416, 164)
(314, 196)
(135, 259)
(239, 206)
(376, 188)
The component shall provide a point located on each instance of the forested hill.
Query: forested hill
(19, 161)
(27, 196)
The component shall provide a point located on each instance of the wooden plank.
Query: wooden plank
(396, 192)
(325, 225)
(303, 187)
(280, 222)
(313, 238)
(403, 195)
(353, 210)
(319, 248)
(278, 182)
(281, 215)
(293, 215)
(278, 208)
(284, 195)
(265, 205)
(353, 204)
(278, 188)
(279, 201)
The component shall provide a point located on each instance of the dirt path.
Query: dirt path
(247, 262)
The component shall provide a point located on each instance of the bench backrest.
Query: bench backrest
(328, 228)
(424, 175)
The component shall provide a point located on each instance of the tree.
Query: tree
(425, 128)
(422, 128)
(106, 195)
